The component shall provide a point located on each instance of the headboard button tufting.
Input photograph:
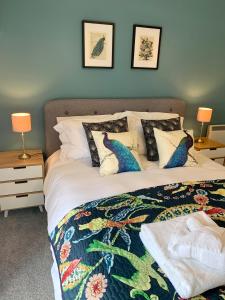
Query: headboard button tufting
(66, 112)
(95, 112)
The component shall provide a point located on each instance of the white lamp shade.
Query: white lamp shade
(21, 122)
(204, 114)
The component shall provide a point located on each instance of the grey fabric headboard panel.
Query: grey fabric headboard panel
(75, 107)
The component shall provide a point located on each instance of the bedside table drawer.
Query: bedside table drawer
(21, 186)
(19, 201)
(7, 174)
(220, 152)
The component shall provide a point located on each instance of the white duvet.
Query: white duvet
(73, 182)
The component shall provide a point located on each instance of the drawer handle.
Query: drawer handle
(213, 149)
(21, 167)
(20, 181)
(22, 196)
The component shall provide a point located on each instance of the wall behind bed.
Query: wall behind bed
(40, 56)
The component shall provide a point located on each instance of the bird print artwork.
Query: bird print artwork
(98, 48)
(180, 155)
(126, 160)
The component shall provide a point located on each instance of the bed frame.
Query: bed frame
(78, 107)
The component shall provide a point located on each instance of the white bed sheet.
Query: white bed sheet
(73, 182)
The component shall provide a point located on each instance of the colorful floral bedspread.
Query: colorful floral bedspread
(99, 252)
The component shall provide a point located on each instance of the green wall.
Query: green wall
(40, 56)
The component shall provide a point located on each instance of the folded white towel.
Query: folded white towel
(203, 243)
(194, 224)
(189, 277)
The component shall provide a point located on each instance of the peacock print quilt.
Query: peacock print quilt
(99, 252)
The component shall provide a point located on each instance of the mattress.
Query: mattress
(72, 183)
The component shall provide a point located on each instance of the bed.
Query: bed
(91, 212)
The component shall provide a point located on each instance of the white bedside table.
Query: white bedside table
(21, 181)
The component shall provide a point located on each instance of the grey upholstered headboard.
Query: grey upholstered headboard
(76, 107)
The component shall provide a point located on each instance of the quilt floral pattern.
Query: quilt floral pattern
(99, 252)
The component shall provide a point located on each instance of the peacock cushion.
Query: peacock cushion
(115, 126)
(117, 152)
(165, 125)
(175, 148)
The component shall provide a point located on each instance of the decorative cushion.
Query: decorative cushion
(134, 123)
(117, 152)
(165, 125)
(115, 126)
(175, 148)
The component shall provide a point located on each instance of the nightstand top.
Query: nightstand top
(208, 144)
(9, 159)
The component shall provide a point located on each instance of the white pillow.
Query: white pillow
(134, 123)
(153, 115)
(69, 151)
(119, 154)
(65, 123)
(63, 138)
(175, 148)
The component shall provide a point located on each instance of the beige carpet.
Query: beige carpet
(25, 258)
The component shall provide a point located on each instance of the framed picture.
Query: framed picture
(146, 47)
(98, 44)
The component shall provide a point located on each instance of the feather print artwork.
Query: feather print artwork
(98, 48)
(126, 160)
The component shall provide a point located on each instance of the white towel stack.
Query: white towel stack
(190, 250)
(200, 242)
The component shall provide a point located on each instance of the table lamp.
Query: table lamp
(21, 122)
(204, 116)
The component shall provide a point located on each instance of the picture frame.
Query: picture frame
(98, 44)
(146, 47)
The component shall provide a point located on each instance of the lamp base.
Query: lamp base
(200, 140)
(24, 156)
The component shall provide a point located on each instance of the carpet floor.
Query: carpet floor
(25, 257)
